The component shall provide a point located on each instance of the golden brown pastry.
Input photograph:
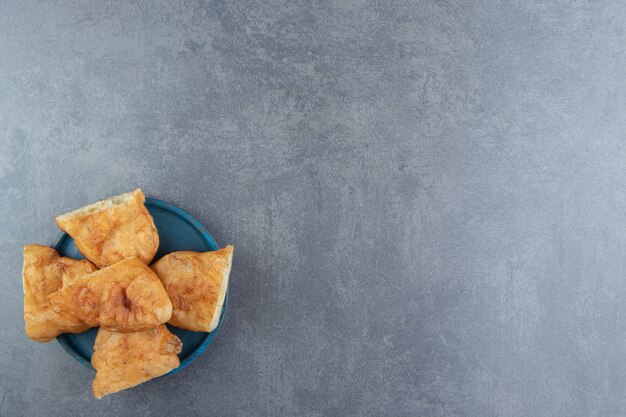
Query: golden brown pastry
(196, 283)
(44, 273)
(113, 229)
(124, 297)
(124, 360)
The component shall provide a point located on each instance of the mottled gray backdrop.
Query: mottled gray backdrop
(427, 198)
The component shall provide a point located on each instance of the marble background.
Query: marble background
(426, 198)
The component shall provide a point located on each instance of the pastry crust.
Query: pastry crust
(196, 283)
(44, 273)
(124, 297)
(124, 360)
(113, 229)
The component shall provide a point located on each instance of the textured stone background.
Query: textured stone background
(427, 198)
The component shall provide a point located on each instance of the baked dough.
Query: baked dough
(124, 297)
(196, 283)
(113, 229)
(124, 360)
(44, 273)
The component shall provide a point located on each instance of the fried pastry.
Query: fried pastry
(124, 297)
(124, 360)
(44, 273)
(113, 229)
(196, 283)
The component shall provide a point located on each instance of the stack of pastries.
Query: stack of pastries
(115, 289)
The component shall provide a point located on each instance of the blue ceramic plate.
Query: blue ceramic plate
(178, 230)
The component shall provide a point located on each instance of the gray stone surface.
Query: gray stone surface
(427, 198)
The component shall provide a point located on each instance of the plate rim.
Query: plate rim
(208, 338)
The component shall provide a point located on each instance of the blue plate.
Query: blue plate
(178, 230)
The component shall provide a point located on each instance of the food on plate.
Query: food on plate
(196, 282)
(128, 299)
(124, 297)
(44, 273)
(124, 360)
(114, 229)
